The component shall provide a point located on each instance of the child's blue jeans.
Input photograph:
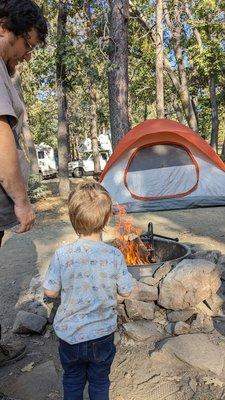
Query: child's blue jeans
(87, 361)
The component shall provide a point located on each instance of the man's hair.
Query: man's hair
(90, 207)
(21, 16)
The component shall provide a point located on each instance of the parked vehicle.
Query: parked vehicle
(46, 160)
(85, 166)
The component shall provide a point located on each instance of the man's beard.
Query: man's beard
(5, 47)
(11, 70)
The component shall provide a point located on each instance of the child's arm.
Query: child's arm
(124, 278)
(52, 282)
(125, 294)
(51, 293)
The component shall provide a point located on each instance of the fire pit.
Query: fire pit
(146, 252)
(164, 250)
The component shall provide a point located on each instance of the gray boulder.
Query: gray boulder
(196, 350)
(139, 309)
(188, 284)
(208, 255)
(142, 330)
(163, 270)
(143, 292)
(27, 322)
(181, 328)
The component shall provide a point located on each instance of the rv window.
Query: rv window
(104, 156)
(41, 154)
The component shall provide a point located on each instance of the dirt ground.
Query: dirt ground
(134, 375)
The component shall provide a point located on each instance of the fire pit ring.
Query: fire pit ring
(165, 250)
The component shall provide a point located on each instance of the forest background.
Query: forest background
(109, 65)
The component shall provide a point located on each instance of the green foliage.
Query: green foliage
(85, 53)
(36, 189)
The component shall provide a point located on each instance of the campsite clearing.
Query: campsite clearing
(133, 375)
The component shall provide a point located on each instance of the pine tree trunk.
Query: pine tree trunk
(160, 111)
(118, 70)
(63, 130)
(93, 130)
(182, 87)
(29, 142)
(223, 150)
(177, 109)
(215, 116)
(93, 98)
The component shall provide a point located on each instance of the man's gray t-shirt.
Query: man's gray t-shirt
(12, 107)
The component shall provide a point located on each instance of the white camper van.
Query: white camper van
(79, 168)
(46, 160)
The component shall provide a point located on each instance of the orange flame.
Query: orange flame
(129, 247)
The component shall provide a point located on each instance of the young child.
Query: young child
(89, 273)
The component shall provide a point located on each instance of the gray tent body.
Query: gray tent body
(166, 174)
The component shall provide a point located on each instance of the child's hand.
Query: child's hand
(51, 294)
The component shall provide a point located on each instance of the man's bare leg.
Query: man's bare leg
(11, 352)
(1, 237)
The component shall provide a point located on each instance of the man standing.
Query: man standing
(22, 28)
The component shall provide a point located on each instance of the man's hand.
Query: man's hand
(26, 217)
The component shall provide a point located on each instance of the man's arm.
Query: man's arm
(11, 178)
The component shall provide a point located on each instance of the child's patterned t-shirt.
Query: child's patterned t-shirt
(89, 275)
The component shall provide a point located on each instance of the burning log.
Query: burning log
(129, 242)
(133, 249)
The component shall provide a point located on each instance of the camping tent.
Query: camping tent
(163, 165)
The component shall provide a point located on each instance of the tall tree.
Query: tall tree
(160, 111)
(178, 77)
(26, 133)
(118, 70)
(93, 96)
(63, 130)
(174, 22)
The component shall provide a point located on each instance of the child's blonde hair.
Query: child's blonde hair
(90, 207)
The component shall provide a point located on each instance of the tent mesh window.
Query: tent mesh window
(161, 171)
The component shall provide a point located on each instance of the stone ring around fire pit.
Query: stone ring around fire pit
(165, 250)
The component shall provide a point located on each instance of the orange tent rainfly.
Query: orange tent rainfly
(161, 165)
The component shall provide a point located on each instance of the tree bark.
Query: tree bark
(177, 109)
(118, 71)
(223, 151)
(93, 130)
(63, 130)
(29, 142)
(184, 94)
(93, 102)
(160, 109)
(215, 114)
(181, 90)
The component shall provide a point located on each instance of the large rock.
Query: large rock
(202, 324)
(143, 292)
(139, 309)
(142, 330)
(221, 266)
(26, 322)
(149, 280)
(208, 255)
(197, 351)
(163, 270)
(181, 328)
(188, 284)
(183, 315)
(122, 313)
(215, 302)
